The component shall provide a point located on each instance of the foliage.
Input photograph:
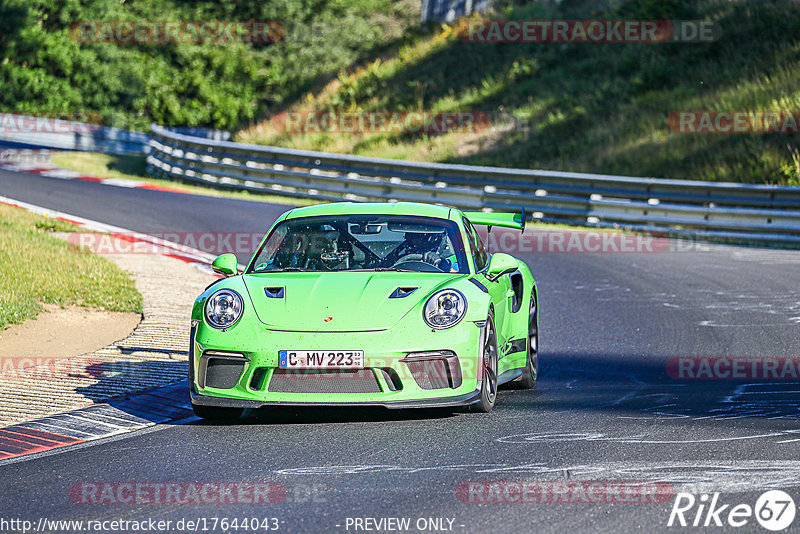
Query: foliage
(44, 67)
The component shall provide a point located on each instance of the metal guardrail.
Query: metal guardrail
(43, 132)
(704, 209)
(24, 156)
(23, 131)
(760, 213)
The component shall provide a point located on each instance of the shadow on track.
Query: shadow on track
(621, 384)
(632, 385)
(323, 415)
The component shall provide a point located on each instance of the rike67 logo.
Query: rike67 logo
(774, 510)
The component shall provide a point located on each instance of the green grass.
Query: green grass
(134, 168)
(598, 108)
(103, 165)
(40, 268)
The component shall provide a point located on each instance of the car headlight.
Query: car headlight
(223, 308)
(444, 309)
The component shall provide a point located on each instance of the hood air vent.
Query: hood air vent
(402, 292)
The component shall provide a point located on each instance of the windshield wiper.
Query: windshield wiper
(378, 270)
(286, 270)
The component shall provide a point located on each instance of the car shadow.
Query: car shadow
(619, 384)
(318, 415)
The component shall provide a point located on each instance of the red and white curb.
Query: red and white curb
(198, 258)
(41, 167)
(112, 417)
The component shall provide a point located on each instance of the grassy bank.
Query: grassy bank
(581, 107)
(40, 268)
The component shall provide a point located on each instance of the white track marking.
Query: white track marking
(201, 259)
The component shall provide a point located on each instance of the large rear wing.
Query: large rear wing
(506, 220)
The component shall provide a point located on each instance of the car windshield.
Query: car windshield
(362, 242)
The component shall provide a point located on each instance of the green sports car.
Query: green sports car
(397, 305)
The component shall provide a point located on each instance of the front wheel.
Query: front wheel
(488, 394)
(216, 413)
(531, 370)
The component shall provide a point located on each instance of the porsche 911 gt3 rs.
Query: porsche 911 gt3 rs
(397, 305)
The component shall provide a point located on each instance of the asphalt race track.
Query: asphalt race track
(605, 408)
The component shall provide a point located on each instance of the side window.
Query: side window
(479, 253)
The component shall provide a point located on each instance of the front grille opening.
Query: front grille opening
(392, 379)
(259, 379)
(430, 374)
(323, 381)
(222, 373)
(434, 369)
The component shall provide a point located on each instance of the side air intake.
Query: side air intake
(274, 292)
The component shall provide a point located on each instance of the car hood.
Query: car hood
(350, 301)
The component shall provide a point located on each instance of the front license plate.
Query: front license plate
(321, 359)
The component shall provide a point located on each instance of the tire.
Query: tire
(488, 396)
(216, 413)
(531, 371)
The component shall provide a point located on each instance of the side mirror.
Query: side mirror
(501, 264)
(226, 264)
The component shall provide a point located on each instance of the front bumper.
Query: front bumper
(403, 369)
(442, 402)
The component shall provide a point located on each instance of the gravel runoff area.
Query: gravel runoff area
(154, 354)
